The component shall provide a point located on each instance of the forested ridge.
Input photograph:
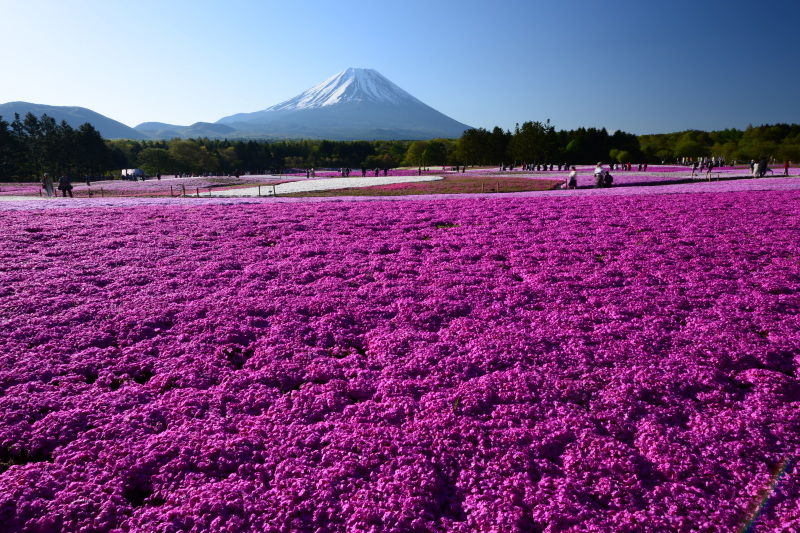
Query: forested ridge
(31, 146)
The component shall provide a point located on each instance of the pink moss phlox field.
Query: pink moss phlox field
(583, 363)
(171, 186)
(739, 185)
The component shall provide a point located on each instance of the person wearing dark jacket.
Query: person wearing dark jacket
(65, 186)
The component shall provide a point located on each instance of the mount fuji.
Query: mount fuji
(355, 104)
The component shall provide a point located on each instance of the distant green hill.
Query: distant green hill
(74, 116)
(159, 130)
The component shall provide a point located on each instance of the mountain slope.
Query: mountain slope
(354, 104)
(160, 130)
(74, 116)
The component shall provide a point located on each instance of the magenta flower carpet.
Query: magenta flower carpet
(623, 363)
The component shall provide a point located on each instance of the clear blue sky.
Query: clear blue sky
(644, 66)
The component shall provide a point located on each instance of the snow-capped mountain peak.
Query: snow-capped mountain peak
(354, 85)
(355, 104)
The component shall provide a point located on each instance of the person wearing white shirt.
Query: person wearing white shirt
(599, 175)
(572, 180)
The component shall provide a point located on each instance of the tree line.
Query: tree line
(779, 142)
(537, 142)
(31, 146)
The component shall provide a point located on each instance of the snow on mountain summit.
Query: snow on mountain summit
(355, 104)
(351, 85)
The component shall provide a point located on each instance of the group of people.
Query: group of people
(142, 176)
(698, 167)
(378, 172)
(345, 171)
(64, 185)
(536, 167)
(642, 167)
(602, 177)
(759, 169)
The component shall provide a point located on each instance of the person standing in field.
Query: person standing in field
(64, 185)
(762, 167)
(47, 185)
(572, 180)
(710, 168)
(599, 175)
(786, 168)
